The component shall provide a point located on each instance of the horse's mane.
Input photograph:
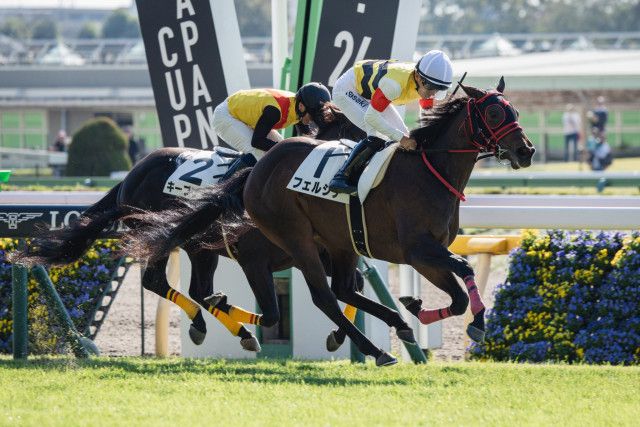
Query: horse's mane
(437, 120)
(334, 117)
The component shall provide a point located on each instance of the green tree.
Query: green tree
(45, 29)
(15, 27)
(88, 31)
(98, 148)
(120, 24)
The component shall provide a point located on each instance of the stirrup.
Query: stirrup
(340, 184)
(244, 161)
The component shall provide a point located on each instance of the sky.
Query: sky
(84, 4)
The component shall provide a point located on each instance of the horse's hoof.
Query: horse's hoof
(413, 305)
(386, 359)
(215, 299)
(332, 342)
(406, 335)
(475, 334)
(251, 344)
(196, 336)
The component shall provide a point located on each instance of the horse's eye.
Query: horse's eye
(494, 115)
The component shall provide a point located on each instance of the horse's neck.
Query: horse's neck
(456, 168)
(340, 127)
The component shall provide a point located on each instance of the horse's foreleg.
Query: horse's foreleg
(437, 263)
(260, 279)
(154, 279)
(203, 267)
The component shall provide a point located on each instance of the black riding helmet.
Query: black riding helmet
(313, 95)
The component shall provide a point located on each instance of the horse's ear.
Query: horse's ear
(500, 87)
(472, 91)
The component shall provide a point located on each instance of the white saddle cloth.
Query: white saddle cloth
(198, 168)
(316, 171)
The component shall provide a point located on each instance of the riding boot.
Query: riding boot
(345, 181)
(244, 161)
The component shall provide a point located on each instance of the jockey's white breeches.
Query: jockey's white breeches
(236, 133)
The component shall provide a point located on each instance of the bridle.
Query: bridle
(481, 135)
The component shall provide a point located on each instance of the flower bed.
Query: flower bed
(569, 296)
(79, 285)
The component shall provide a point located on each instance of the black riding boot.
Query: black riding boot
(346, 179)
(244, 161)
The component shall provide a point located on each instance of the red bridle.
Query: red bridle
(476, 131)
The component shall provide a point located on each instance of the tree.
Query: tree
(88, 31)
(98, 148)
(16, 28)
(45, 29)
(120, 24)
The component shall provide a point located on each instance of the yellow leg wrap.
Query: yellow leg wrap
(227, 322)
(244, 316)
(189, 307)
(350, 311)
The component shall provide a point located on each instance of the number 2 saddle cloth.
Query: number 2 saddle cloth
(198, 168)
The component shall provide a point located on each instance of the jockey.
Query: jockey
(366, 94)
(248, 119)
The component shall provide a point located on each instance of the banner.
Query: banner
(195, 60)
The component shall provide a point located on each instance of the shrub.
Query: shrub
(98, 148)
(569, 296)
(79, 285)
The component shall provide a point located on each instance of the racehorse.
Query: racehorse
(412, 215)
(143, 189)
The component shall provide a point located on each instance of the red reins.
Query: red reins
(476, 131)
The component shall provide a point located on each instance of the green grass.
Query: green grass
(133, 391)
(629, 164)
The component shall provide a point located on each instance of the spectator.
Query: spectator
(600, 156)
(571, 124)
(60, 143)
(599, 115)
(134, 149)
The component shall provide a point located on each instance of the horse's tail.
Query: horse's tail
(195, 220)
(68, 244)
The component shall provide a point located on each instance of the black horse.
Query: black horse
(142, 189)
(412, 216)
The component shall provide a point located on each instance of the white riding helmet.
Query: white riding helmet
(435, 68)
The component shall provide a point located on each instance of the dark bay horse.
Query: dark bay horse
(143, 189)
(412, 216)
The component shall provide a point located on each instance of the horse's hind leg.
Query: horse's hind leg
(203, 267)
(154, 279)
(345, 290)
(303, 249)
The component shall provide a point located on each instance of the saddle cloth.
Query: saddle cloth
(198, 168)
(316, 171)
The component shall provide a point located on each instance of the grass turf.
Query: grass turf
(134, 391)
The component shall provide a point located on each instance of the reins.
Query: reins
(486, 146)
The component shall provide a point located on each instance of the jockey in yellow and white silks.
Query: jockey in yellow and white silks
(367, 93)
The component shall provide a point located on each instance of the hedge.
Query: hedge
(571, 297)
(98, 148)
(79, 285)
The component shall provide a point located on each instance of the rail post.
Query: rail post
(75, 339)
(19, 303)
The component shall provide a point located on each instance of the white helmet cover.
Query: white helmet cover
(435, 67)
